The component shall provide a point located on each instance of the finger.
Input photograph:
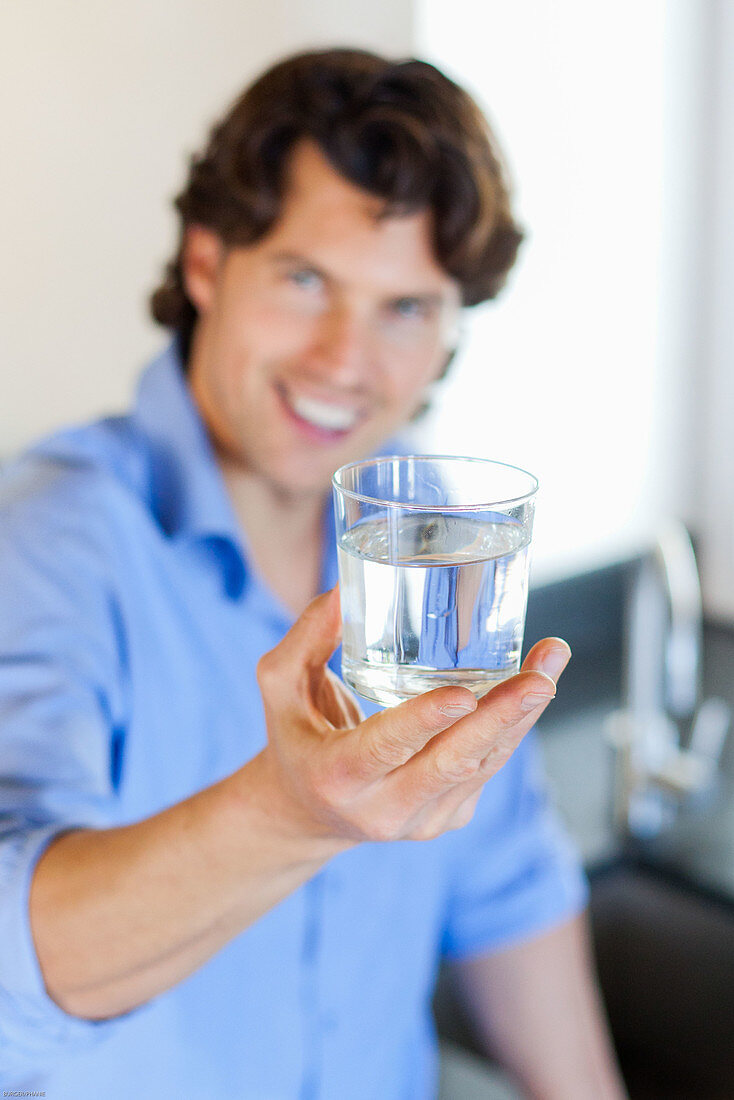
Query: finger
(551, 655)
(309, 643)
(336, 702)
(387, 740)
(451, 810)
(482, 742)
(465, 811)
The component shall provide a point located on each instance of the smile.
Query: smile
(328, 418)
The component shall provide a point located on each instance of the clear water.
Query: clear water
(451, 610)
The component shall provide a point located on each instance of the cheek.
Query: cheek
(407, 388)
(270, 333)
(248, 357)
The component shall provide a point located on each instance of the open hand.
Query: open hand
(413, 771)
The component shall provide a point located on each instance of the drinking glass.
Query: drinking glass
(433, 572)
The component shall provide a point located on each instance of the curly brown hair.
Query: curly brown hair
(400, 130)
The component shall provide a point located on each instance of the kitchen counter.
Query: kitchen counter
(699, 847)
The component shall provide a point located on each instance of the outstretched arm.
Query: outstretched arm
(119, 915)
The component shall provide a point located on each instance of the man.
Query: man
(211, 884)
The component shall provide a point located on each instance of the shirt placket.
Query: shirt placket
(317, 1016)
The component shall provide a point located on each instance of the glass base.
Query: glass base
(392, 684)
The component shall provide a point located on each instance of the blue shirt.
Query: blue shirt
(130, 624)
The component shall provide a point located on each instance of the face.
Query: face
(315, 344)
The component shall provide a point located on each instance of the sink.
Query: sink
(665, 955)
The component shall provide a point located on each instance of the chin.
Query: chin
(300, 482)
(309, 471)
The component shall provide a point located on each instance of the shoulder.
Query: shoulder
(74, 489)
(106, 460)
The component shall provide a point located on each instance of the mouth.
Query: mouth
(318, 418)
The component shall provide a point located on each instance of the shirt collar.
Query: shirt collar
(189, 497)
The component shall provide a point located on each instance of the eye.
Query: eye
(305, 278)
(410, 308)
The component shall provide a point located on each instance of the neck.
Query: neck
(273, 518)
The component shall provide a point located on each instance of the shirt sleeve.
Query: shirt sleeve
(60, 723)
(516, 872)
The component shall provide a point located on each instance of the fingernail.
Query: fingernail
(455, 710)
(535, 699)
(555, 661)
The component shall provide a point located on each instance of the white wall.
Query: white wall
(715, 366)
(100, 104)
(597, 350)
(582, 372)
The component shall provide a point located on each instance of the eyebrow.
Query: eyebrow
(429, 298)
(297, 258)
(293, 258)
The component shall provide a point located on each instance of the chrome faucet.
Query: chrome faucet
(667, 746)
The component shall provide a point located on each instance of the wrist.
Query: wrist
(275, 820)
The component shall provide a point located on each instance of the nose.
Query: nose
(341, 345)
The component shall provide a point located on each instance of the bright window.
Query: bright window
(576, 371)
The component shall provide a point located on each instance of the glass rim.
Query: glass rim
(506, 502)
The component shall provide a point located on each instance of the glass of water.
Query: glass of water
(433, 572)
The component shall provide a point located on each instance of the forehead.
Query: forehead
(332, 221)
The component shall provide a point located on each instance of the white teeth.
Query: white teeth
(322, 414)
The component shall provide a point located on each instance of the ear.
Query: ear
(203, 253)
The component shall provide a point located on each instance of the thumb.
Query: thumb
(314, 636)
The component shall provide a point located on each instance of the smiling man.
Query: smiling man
(210, 869)
(313, 346)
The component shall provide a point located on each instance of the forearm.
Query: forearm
(538, 1010)
(120, 915)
